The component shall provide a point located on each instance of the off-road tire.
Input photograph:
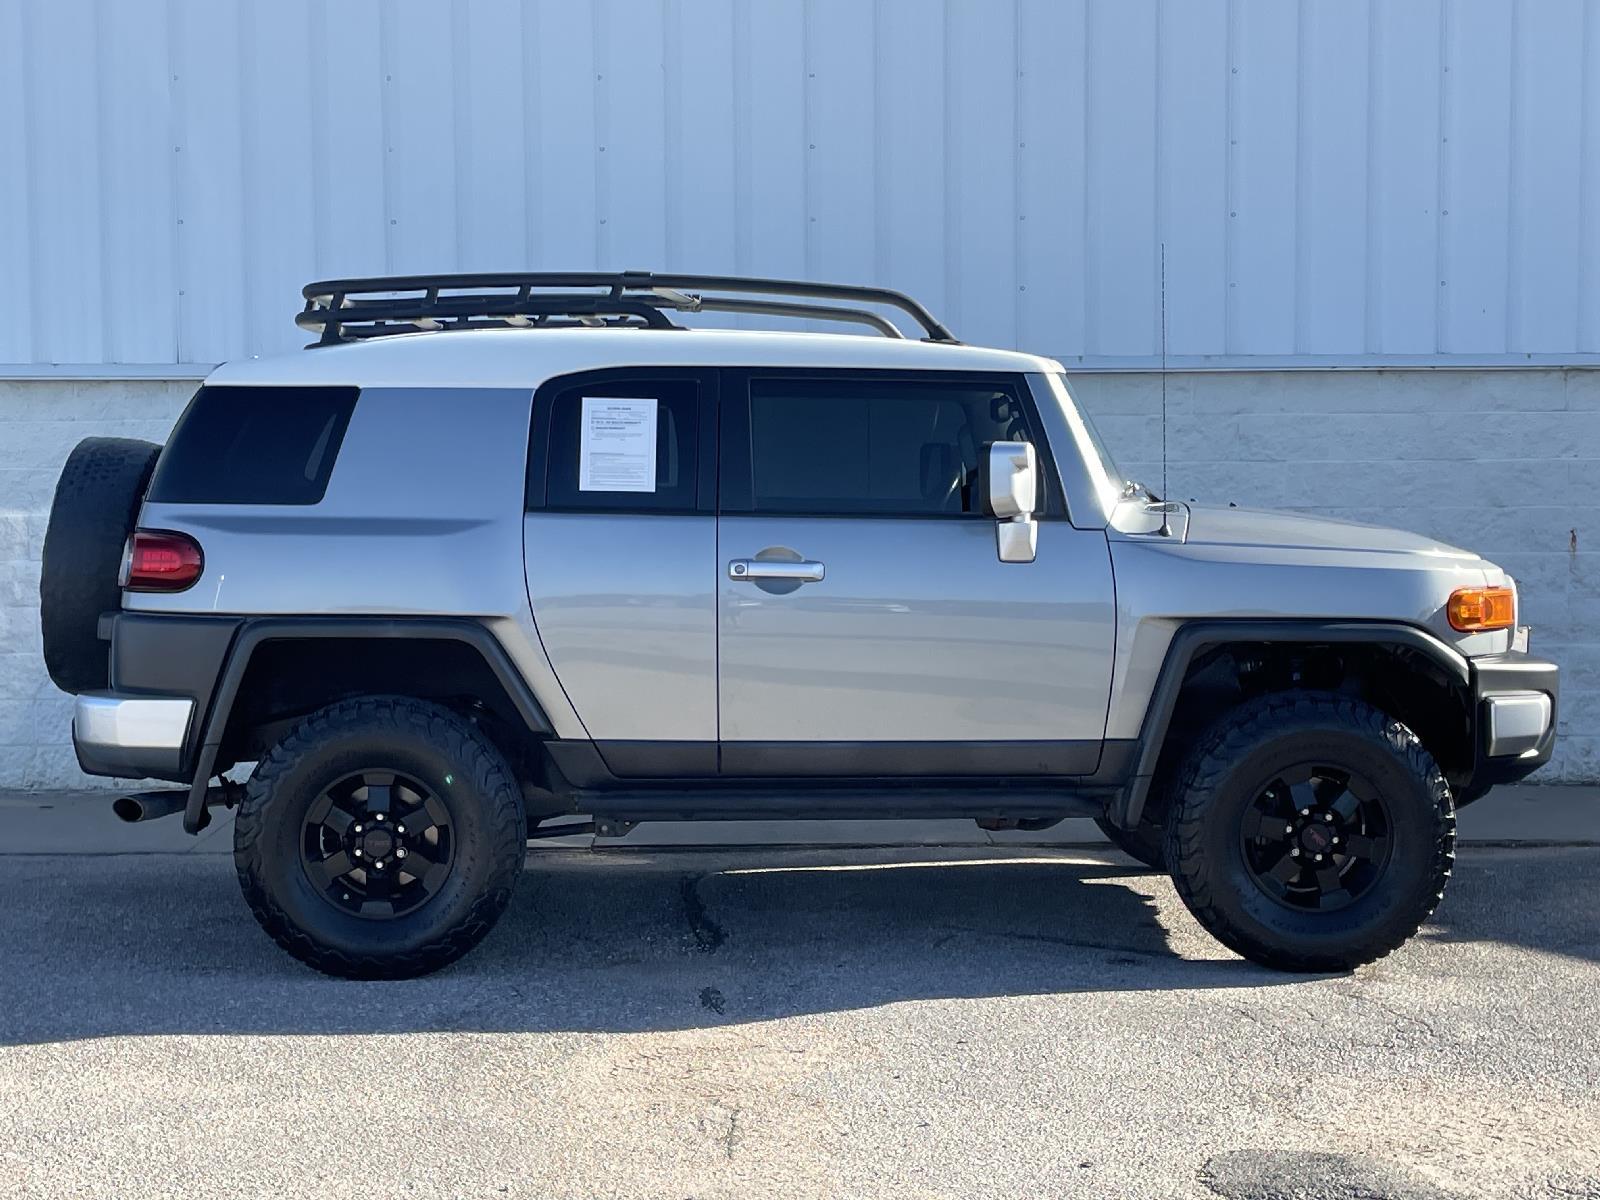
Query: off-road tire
(1238, 755)
(1147, 843)
(96, 503)
(426, 742)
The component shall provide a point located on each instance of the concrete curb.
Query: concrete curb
(82, 823)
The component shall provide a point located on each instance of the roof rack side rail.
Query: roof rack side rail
(860, 293)
(779, 308)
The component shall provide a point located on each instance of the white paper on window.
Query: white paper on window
(617, 445)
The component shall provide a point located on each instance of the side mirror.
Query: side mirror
(1011, 490)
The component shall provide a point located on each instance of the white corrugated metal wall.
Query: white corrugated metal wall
(1344, 181)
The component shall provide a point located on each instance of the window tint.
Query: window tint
(602, 454)
(858, 446)
(254, 445)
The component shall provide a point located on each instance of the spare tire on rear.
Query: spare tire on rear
(97, 501)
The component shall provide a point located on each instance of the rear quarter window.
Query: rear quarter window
(254, 445)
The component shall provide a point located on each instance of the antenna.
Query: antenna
(1166, 528)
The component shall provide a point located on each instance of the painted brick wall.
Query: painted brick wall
(1505, 462)
(40, 421)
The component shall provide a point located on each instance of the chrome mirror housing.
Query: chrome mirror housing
(1012, 492)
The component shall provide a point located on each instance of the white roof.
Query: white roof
(527, 357)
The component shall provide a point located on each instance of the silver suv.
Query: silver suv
(510, 555)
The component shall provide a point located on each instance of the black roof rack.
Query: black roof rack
(343, 310)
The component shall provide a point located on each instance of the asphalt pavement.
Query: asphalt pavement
(982, 1020)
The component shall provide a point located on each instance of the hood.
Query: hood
(1212, 525)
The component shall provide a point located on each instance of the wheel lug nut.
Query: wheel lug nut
(399, 828)
(1294, 852)
(379, 817)
(1288, 828)
(380, 863)
(356, 852)
(1305, 812)
(358, 828)
(1315, 858)
(400, 852)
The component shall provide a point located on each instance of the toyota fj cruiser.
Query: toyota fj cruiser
(509, 555)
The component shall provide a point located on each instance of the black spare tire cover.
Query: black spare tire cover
(97, 501)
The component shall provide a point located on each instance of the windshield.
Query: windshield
(1109, 480)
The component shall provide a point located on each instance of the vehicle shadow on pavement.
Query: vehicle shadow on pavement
(1543, 898)
(611, 941)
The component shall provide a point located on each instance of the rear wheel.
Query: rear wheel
(96, 503)
(380, 839)
(1311, 832)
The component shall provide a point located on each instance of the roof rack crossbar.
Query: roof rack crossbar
(383, 329)
(333, 321)
(345, 309)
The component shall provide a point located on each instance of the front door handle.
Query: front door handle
(766, 568)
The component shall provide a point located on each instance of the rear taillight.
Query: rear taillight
(158, 560)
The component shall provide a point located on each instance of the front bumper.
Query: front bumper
(131, 737)
(1515, 702)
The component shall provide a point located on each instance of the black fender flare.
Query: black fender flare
(253, 632)
(1196, 637)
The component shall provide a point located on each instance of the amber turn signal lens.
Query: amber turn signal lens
(1473, 610)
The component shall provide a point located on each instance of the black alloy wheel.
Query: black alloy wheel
(1316, 837)
(1310, 831)
(380, 838)
(378, 844)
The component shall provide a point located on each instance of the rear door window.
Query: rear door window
(254, 445)
(622, 441)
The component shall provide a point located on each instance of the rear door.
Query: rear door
(898, 643)
(619, 543)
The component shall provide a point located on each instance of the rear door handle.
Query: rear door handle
(762, 568)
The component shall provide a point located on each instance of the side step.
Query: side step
(712, 803)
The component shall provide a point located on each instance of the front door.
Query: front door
(866, 625)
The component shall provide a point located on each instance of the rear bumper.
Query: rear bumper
(163, 671)
(1515, 703)
(131, 737)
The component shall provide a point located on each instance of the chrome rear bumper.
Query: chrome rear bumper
(131, 737)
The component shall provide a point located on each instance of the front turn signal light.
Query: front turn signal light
(1474, 610)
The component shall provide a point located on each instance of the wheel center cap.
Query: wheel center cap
(1316, 838)
(377, 843)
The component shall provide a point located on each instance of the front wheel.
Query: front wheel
(380, 839)
(1311, 832)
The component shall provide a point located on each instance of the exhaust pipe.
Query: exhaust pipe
(147, 806)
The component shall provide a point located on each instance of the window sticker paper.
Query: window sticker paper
(617, 445)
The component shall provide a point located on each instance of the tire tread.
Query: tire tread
(1225, 746)
(95, 505)
(491, 778)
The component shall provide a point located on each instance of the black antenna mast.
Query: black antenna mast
(1166, 528)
